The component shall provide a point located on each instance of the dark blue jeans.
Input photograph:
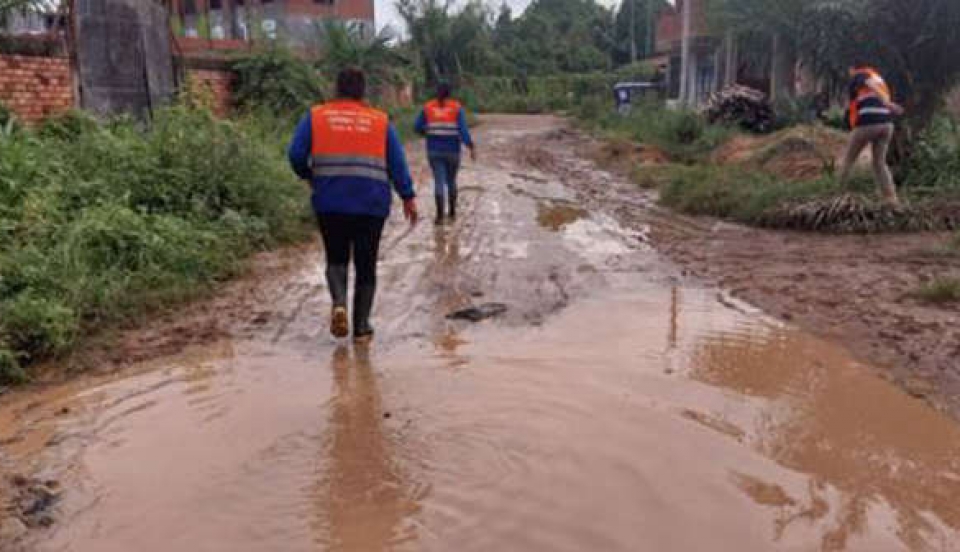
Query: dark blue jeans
(445, 167)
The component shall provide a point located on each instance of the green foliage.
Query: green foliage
(823, 205)
(935, 162)
(8, 121)
(341, 44)
(684, 135)
(103, 222)
(277, 82)
(550, 37)
(538, 94)
(735, 193)
(643, 14)
(10, 370)
(940, 290)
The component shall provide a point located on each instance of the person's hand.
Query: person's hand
(896, 109)
(473, 153)
(410, 211)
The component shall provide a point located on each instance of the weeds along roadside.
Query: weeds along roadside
(104, 222)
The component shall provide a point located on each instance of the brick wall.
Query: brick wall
(35, 87)
(215, 87)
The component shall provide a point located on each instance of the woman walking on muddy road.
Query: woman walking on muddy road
(444, 123)
(350, 154)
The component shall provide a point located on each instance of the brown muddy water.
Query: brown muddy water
(615, 407)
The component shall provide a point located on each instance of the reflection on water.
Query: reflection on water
(833, 420)
(364, 500)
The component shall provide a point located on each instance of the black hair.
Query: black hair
(443, 91)
(351, 83)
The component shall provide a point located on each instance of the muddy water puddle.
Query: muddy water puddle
(616, 407)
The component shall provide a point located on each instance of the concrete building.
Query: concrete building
(230, 24)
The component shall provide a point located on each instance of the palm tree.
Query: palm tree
(343, 44)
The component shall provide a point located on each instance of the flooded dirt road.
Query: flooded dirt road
(615, 406)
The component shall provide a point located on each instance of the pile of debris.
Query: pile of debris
(855, 213)
(743, 106)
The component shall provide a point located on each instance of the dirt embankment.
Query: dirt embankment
(856, 290)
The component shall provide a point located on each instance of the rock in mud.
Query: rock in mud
(476, 314)
(34, 502)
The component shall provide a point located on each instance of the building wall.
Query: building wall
(35, 87)
(220, 23)
(214, 86)
(670, 25)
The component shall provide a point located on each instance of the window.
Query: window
(189, 7)
(325, 2)
(216, 4)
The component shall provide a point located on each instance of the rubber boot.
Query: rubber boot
(439, 220)
(337, 282)
(362, 306)
(453, 206)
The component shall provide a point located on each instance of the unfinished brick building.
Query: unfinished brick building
(230, 24)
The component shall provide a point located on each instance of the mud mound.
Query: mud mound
(555, 217)
(537, 158)
(853, 213)
(803, 152)
(625, 156)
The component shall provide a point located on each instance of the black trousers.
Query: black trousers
(356, 236)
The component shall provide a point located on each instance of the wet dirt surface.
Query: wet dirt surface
(616, 405)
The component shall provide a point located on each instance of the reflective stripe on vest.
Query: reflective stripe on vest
(349, 140)
(879, 90)
(443, 120)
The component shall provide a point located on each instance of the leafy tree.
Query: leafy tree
(643, 14)
(341, 44)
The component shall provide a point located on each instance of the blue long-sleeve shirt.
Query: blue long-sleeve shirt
(347, 195)
(445, 144)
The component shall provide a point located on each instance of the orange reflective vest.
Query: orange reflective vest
(349, 140)
(878, 91)
(442, 119)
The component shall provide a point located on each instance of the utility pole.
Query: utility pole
(685, 53)
(651, 45)
(633, 31)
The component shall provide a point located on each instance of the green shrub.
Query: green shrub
(684, 135)
(101, 222)
(277, 82)
(10, 370)
(760, 199)
(939, 291)
(935, 161)
(68, 126)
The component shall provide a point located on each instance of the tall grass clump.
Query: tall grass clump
(682, 134)
(103, 222)
(824, 205)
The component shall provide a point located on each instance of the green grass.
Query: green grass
(733, 192)
(683, 135)
(760, 199)
(940, 291)
(101, 223)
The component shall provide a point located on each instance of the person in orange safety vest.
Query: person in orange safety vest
(352, 156)
(444, 122)
(870, 117)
